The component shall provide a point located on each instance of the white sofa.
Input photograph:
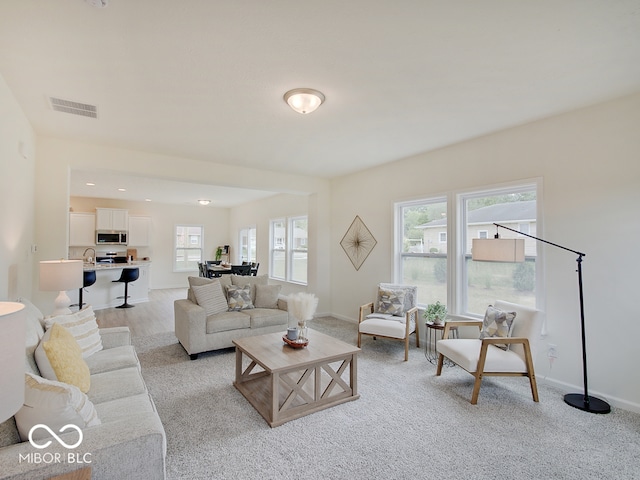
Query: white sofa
(128, 443)
(199, 332)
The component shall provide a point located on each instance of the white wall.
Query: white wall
(17, 171)
(589, 162)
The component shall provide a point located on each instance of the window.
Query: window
(298, 250)
(188, 247)
(423, 248)
(435, 254)
(277, 260)
(247, 243)
(289, 242)
(488, 281)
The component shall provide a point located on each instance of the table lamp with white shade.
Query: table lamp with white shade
(13, 324)
(60, 276)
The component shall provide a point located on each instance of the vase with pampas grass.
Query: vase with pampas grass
(302, 306)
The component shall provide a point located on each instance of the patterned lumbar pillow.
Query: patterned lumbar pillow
(55, 405)
(239, 297)
(390, 302)
(497, 323)
(210, 297)
(83, 327)
(59, 357)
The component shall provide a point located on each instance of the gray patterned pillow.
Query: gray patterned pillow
(239, 297)
(497, 323)
(390, 302)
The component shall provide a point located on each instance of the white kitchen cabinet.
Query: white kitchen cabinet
(139, 231)
(112, 219)
(82, 229)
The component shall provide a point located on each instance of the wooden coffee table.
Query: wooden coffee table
(283, 383)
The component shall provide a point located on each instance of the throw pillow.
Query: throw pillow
(83, 327)
(239, 297)
(210, 297)
(390, 302)
(497, 323)
(267, 296)
(59, 357)
(55, 405)
(193, 281)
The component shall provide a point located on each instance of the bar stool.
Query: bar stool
(88, 279)
(127, 275)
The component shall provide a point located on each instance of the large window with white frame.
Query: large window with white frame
(288, 250)
(247, 242)
(433, 247)
(188, 247)
(483, 282)
(421, 234)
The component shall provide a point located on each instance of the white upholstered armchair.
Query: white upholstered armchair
(393, 315)
(496, 354)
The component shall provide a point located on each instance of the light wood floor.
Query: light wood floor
(149, 318)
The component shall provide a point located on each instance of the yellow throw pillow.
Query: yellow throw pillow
(65, 356)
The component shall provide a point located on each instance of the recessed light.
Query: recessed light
(90, 184)
(204, 202)
(122, 189)
(147, 199)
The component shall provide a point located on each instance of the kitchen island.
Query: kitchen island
(105, 292)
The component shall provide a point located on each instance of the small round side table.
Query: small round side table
(431, 350)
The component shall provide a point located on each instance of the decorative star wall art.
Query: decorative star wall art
(358, 242)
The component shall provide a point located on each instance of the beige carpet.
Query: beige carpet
(408, 423)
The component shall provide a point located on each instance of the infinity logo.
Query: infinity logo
(53, 434)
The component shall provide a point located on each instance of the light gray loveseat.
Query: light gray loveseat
(199, 332)
(130, 440)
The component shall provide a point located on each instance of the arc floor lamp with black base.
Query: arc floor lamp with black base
(515, 252)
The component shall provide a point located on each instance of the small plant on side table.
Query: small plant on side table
(435, 313)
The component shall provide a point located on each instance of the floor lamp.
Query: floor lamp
(512, 250)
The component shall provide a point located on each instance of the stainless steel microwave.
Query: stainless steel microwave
(111, 237)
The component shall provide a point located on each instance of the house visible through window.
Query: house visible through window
(189, 240)
(422, 256)
(435, 255)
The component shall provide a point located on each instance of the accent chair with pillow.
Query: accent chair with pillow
(394, 315)
(219, 310)
(506, 345)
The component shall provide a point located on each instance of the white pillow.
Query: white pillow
(83, 327)
(210, 297)
(55, 405)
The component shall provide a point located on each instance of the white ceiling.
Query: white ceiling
(204, 79)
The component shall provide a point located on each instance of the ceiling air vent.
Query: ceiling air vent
(75, 108)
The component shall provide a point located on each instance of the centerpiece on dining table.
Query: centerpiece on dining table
(302, 306)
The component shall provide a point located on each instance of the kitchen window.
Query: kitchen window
(188, 246)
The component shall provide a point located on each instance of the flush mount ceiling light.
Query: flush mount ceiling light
(204, 202)
(304, 100)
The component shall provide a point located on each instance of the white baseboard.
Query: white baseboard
(611, 400)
